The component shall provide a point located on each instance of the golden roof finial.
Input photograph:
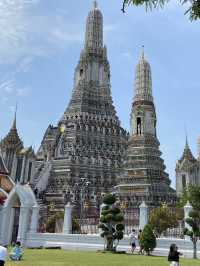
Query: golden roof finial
(15, 117)
(142, 54)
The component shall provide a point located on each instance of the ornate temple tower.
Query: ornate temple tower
(18, 160)
(86, 147)
(187, 170)
(10, 145)
(144, 177)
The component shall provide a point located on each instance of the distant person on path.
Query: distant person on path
(173, 256)
(139, 237)
(3, 255)
(17, 252)
(133, 241)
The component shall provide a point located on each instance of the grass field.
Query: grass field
(69, 258)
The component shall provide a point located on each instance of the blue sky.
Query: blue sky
(40, 46)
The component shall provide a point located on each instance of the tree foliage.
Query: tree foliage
(193, 196)
(194, 233)
(51, 223)
(111, 222)
(148, 239)
(193, 10)
(162, 218)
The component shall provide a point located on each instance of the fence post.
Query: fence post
(143, 215)
(101, 207)
(67, 225)
(187, 209)
(34, 219)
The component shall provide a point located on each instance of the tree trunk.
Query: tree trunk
(109, 246)
(194, 249)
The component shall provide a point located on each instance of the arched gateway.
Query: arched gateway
(18, 215)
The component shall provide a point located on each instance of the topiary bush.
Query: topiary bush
(148, 239)
(111, 222)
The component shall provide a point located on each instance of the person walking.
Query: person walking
(133, 241)
(140, 246)
(3, 255)
(173, 256)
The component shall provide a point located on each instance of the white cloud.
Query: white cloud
(21, 92)
(27, 33)
(25, 64)
(7, 85)
(13, 28)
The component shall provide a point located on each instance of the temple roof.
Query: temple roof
(187, 154)
(12, 139)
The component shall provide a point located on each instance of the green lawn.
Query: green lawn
(69, 258)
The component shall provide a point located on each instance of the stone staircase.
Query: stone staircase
(41, 177)
(37, 175)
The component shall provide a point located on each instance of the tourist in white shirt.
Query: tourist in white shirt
(133, 241)
(3, 255)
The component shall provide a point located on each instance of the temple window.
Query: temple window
(183, 181)
(139, 125)
(29, 171)
(19, 170)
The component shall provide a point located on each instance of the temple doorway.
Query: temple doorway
(16, 213)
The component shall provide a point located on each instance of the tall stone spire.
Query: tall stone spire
(89, 141)
(144, 177)
(143, 82)
(92, 74)
(14, 125)
(94, 30)
(143, 115)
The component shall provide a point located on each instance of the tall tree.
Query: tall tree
(192, 194)
(193, 10)
(148, 239)
(194, 233)
(162, 218)
(111, 222)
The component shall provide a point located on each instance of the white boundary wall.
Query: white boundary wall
(95, 242)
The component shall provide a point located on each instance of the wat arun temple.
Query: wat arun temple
(88, 153)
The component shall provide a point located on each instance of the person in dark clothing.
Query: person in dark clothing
(173, 256)
(3, 255)
(139, 241)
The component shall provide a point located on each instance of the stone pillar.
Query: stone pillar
(5, 224)
(101, 207)
(67, 225)
(23, 224)
(187, 209)
(143, 215)
(34, 219)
